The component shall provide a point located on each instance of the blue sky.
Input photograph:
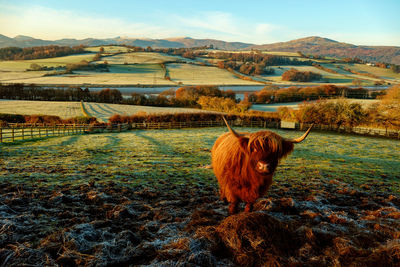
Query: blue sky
(359, 22)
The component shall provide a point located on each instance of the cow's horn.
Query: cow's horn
(230, 129)
(298, 140)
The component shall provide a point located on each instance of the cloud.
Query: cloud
(42, 22)
(48, 23)
(216, 24)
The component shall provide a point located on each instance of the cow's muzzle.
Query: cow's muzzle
(263, 167)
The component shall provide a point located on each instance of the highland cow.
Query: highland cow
(244, 164)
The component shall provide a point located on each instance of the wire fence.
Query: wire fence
(17, 132)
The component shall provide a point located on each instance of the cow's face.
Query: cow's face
(264, 150)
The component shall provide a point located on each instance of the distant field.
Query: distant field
(65, 110)
(62, 109)
(195, 74)
(295, 105)
(384, 73)
(139, 58)
(104, 111)
(144, 68)
(19, 76)
(150, 74)
(108, 49)
(22, 65)
(343, 78)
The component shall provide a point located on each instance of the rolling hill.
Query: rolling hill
(309, 45)
(327, 47)
(26, 41)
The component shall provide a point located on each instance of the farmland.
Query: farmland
(151, 68)
(194, 74)
(65, 110)
(144, 197)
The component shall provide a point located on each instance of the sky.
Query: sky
(360, 22)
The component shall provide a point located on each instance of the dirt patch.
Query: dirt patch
(109, 224)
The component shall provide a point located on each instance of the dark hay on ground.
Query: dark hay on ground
(99, 224)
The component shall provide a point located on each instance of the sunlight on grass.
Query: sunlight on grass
(155, 157)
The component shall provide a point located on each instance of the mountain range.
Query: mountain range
(310, 45)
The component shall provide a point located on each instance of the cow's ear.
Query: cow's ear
(244, 142)
(287, 147)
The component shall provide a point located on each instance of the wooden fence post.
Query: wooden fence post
(23, 132)
(13, 138)
(1, 135)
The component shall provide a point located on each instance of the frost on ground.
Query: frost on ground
(103, 223)
(143, 198)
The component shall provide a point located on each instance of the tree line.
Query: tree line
(300, 76)
(186, 96)
(37, 52)
(273, 94)
(342, 112)
(33, 92)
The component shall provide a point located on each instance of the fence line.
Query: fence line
(199, 124)
(15, 132)
(359, 130)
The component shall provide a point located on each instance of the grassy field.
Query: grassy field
(65, 110)
(295, 105)
(22, 65)
(146, 157)
(145, 68)
(145, 198)
(139, 58)
(62, 109)
(383, 73)
(104, 111)
(194, 74)
(118, 75)
(107, 49)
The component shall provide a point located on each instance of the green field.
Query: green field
(153, 156)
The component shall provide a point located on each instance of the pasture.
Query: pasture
(295, 105)
(55, 108)
(22, 65)
(203, 75)
(144, 197)
(108, 49)
(103, 111)
(139, 58)
(65, 110)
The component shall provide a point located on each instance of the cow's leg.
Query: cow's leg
(233, 207)
(249, 207)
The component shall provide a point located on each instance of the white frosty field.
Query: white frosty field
(199, 75)
(65, 110)
(104, 111)
(22, 107)
(139, 58)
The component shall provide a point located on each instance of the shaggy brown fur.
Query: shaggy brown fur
(235, 159)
